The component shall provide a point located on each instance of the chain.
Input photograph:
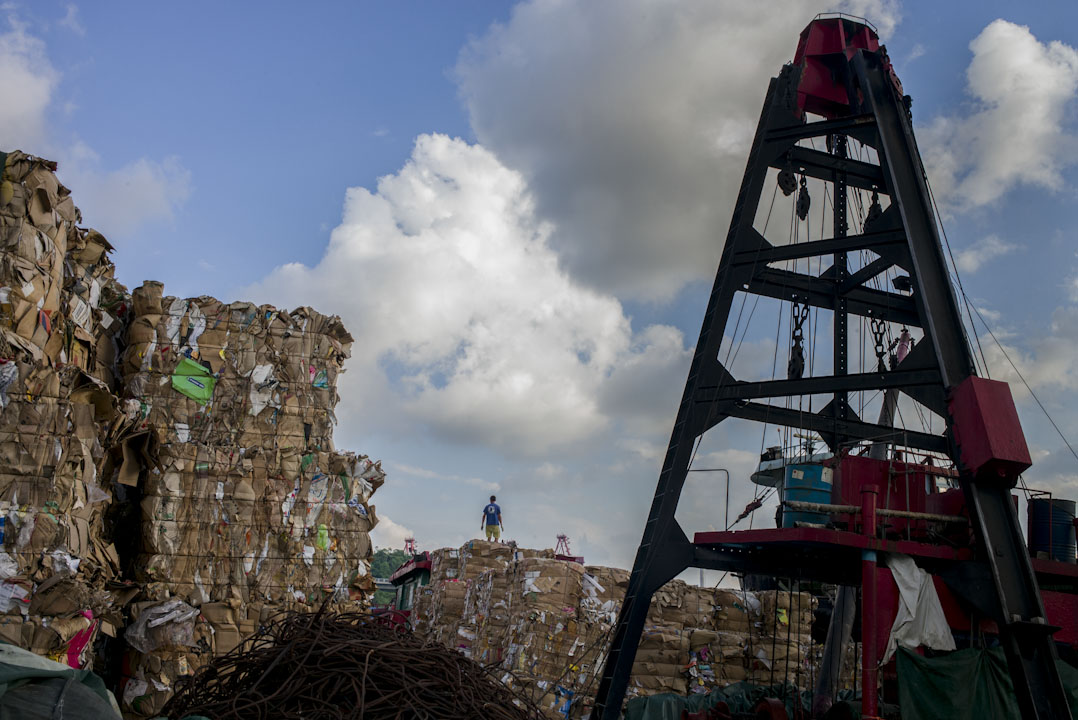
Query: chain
(878, 330)
(803, 199)
(799, 314)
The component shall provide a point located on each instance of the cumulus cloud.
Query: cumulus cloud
(27, 81)
(116, 200)
(121, 201)
(443, 478)
(1017, 132)
(70, 20)
(987, 248)
(466, 324)
(633, 127)
(1043, 356)
(389, 534)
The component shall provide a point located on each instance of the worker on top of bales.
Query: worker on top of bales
(492, 520)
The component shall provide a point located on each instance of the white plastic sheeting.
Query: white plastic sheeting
(920, 619)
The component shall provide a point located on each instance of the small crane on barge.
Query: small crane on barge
(963, 530)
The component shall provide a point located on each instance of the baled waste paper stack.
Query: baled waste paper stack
(465, 605)
(485, 616)
(59, 311)
(736, 623)
(783, 650)
(246, 507)
(548, 623)
(443, 598)
(428, 614)
(544, 640)
(213, 483)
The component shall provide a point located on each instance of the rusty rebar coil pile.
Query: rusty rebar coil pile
(331, 666)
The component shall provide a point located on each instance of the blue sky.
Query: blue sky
(266, 107)
(518, 208)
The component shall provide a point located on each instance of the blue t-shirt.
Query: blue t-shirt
(492, 511)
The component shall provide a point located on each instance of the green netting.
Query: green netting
(965, 685)
(742, 697)
(36, 688)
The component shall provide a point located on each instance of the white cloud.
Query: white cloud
(1043, 356)
(419, 472)
(27, 81)
(987, 248)
(117, 201)
(631, 121)
(1017, 133)
(70, 20)
(465, 323)
(123, 200)
(389, 534)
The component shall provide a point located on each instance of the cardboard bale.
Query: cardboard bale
(548, 623)
(246, 503)
(783, 651)
(57, 408)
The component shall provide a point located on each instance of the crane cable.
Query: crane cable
(973, 307)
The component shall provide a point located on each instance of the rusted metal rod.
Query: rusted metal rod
(333, 666)
(885, 512)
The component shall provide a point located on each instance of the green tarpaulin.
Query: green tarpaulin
(36, 688)
(740, 697)
(965, 685)
(194, 381)
(962, 685)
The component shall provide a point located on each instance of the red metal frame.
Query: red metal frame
(794, 537)
(987, 430)
(879, 591)
(825, 41)
(817, 551)
(842, 73)
(418, 562)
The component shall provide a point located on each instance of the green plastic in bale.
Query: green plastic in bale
(194, 381)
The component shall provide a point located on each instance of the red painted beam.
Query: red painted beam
(822, 536)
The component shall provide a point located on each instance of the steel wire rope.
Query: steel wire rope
(789, 631)
(773, 622)
(774, 369)
(744, 298)
(972, 306)
(859, 208)
(785, 432)
(957, 276)
(739, 343)
(1025, 383)
(711, 409)
(808, 271)
(828, 201)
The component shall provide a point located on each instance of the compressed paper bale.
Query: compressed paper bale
(444, 564)
(671, 655)
(796, 602)
(248, 502)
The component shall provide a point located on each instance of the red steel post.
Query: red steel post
(869, 645)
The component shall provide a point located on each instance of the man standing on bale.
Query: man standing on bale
(492, 520)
